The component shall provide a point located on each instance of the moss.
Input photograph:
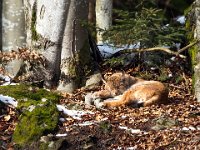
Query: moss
(33, 22)
(27, 95)
(32, 125)
(41, 120)
(80, 66)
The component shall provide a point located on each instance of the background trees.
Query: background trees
(103, 17)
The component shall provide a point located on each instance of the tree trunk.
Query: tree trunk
(103, 17)
(45, 26)
(76, 62)
(55, 28)
(91, 14)
(193, 27)
(13, 31)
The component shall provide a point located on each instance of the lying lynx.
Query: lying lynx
(131, 91)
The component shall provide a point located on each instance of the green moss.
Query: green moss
(41, 120)
(27, 95)
(33, 22)
(32, 125)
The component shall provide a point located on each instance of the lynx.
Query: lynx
(131, 91)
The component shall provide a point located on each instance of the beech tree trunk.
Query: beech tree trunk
(45, 25)
(13, 31)
(193, 27)
(56, 29)
(76, 61)
(103, 17)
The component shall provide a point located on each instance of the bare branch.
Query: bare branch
(167, 50)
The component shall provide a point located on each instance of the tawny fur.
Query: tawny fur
(132, 90)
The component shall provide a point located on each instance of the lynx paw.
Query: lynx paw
(98, 103)
(89, 99)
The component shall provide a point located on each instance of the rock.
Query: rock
(93, 80)
(163, 123)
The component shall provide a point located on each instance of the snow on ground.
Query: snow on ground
(76, 114)
(8, 100)
(61, 135)
(181, 19)
(133, 131)
(108, 50)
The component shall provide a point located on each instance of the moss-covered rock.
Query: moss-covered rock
(27, 95)
(39, 115)
(32, 125)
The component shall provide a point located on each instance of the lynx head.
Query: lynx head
(117, 83)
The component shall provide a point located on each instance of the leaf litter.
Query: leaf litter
(173, 126)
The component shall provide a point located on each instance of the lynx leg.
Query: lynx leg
(103, 94)
(123, 100)
(152, 101)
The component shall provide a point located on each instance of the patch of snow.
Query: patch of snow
(73, 113)
(108, 50)
(170, 75)
(31, 108)
(8, 100)
(61, 135)
(87, 123)
(44, 99)
(62, 119)
(192, 128)
(185, 129)
(123, 117)
(7, 79)
(133, 131)
(173, 58)
(178, 46)
(181, 19)
(127, 148)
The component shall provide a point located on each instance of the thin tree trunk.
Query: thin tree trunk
(91, 14)
(76, 61)
(103, 17)
(13, 31)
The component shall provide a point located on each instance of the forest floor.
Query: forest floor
(173, 126)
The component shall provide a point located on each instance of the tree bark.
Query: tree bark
(91, 14)
(76, 62)
(193, 27)
(13, 31)
(103, 17)
(56, 29)
(45, 26)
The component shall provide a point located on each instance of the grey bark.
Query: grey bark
(103, 17)
(13, 31)
(193, 19)
(75, 56)
(46, 22)
(55, 28)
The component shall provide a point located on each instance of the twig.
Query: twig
(158, 49)
(186, 47)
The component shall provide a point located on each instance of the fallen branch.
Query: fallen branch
(186, 47)
(158, 49)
